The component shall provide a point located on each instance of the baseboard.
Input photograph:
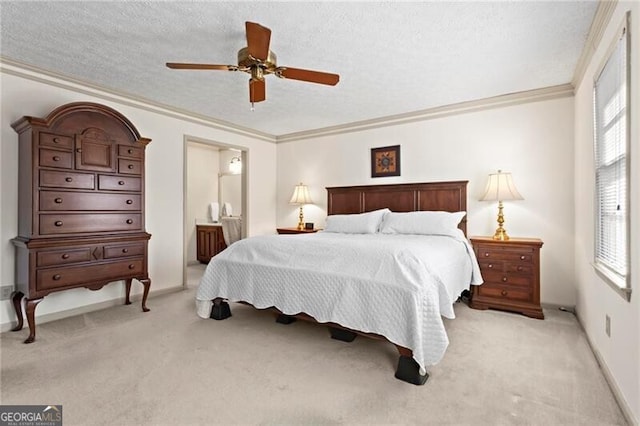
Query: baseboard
(555, 307)
(617, 393)
(53, 316)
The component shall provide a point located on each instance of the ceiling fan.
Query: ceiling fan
(257, 60)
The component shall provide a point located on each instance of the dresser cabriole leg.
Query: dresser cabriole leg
(31, 318)
(147, 284)
(16, 297)
(127, 284)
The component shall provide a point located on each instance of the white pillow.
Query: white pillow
(363, 223)
(422, 223)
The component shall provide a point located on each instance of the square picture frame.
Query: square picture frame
(385, 161)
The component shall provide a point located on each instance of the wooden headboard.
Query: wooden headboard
(405, 197)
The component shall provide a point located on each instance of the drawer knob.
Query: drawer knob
(56, 140)
(68, 179)
(56, 158)
(490, 266)
(130, 151)
(130, 166)
(504, 292)
(125, 250)
(129, 221)
(58, 223)
(58, 200)
(132, 266)
(121, 182)
(56, 277)
(504, 279)
(79, 150)
(129, 201)
(486, 255)
(522, 257)
(65, 256)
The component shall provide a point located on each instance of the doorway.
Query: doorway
(214, 178)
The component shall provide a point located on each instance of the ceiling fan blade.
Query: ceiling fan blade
(258, 38)
(180, 66)
(308, 75)
(257, 90)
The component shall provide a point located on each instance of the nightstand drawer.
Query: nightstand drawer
(505, 292)
(518, 268)
(506, 279)
(492, 253)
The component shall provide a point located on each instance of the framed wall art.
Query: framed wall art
(385, 161)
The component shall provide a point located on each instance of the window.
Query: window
(611, 120)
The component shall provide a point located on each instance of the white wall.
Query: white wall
(619, 353)
(534, 141)
(164, 182)
(203, 165)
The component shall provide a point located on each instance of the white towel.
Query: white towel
(231, 229)
(227, 210)
(214, 211)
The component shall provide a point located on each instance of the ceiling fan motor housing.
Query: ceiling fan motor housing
(257, 67)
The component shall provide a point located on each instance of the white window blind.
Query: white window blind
(611, 165)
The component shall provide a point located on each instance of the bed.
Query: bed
(335, 278)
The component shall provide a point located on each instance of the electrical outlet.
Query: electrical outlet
(607, 327)
(5, 292)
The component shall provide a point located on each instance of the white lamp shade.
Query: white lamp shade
(500, 187)
(301, 195)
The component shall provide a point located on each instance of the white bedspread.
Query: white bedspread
(397, 286)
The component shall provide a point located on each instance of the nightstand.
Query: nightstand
(296, 231)
(511, 273)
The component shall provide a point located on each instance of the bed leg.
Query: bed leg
(409, 371)
(220, 310)
(342, 335)
(285, 319)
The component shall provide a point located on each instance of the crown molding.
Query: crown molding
(536, 95)
(600, 22)
(12, 67)
(9, 66)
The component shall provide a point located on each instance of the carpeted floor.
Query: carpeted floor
(169, 367)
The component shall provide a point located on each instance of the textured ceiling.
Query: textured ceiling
(393, 58)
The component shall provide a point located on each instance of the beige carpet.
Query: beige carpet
(169, 367)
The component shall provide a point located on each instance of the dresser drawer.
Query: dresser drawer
(124, 250)
(51, 178)
(505, 292)
(59, 141)
(58, 200)
(129, 167)
(51, 158)
(491, 253)
(69, 276)
(518, 268)
(118, 183)
(52, 224)
(506, 279)
(63, 257)
(129, 151)
(491, 265)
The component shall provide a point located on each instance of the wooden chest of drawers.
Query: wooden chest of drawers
(511, 272)
(81, 205)
(210, 241)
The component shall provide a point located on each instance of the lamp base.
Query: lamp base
(301, 220)
(501, 235)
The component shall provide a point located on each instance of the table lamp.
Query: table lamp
(500, 188)
(301, 196)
